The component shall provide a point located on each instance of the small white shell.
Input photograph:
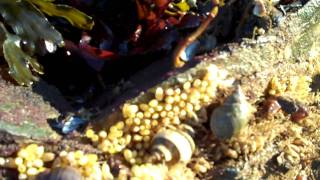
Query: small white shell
(174, 145)
(228, 119)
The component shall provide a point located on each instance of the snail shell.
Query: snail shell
(228, 119)
(173, 145)
(61, 173)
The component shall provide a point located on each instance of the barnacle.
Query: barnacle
(30, 28)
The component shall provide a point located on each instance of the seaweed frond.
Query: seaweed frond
(30, 27)
(18, 60)
(75, 17)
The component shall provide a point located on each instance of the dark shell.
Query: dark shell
(300, 114)
(270, 107)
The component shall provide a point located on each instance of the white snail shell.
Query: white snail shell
(230, 118)
(174, 145)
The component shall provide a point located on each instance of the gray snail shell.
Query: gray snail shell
(232, 116)
(173, 145)
(61, 173)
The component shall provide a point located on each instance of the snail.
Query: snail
(230, 118)
(173, 145)
(61, 173)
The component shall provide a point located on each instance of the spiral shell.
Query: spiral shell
(229, 119)
(173, 145)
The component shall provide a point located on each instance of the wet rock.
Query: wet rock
(24, 112)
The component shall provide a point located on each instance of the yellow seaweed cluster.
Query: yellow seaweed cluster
(161, 171)
(86, 164)
(149, 171)
(201, 165)
(168, 105)
(29, 161)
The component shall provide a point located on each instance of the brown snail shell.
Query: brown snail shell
(61, 173)
(173, 145)
(232, 116)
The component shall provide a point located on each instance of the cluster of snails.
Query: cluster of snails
(148, 121)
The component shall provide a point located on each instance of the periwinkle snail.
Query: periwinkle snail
(232, 116)
(173, 145)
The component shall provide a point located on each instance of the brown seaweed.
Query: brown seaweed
(31, 28)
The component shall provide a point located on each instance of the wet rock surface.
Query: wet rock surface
(24, 112)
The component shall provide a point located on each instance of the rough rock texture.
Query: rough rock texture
(24, 112)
